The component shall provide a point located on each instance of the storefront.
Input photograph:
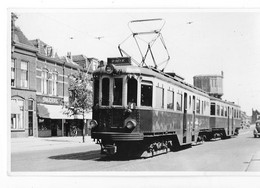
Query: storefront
(53, 118)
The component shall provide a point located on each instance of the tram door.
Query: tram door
(232, 124)
(193, 118)
(185, 119)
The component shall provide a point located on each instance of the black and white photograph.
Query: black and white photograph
(133, 92)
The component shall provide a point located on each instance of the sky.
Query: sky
(199, 42)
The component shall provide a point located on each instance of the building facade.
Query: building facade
(212, 84)
(40, 89)
(23, 86)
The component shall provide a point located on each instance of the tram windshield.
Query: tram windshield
(117, 91)
(105, 91)
(132, 91)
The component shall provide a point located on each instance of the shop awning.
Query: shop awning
(52, 112)
(86, 116)
(15, 109)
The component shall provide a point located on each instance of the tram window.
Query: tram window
(212, 109)
(117, 91)
(189, 102)
(198, 106)
(132, 91)
(218, 110)
(202, 107)
(96, 91)
(225, 111)
(159, 97)
(105, 91)
(170, 99)
(179, 102)
(222, 111)
(146, 95)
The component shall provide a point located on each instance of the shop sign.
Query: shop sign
(49, 100)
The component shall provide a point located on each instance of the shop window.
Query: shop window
(212, 109)
(105, 91)
(13, 73)
(117, 91)
(24, 74)
(159, 97)
(179, 102)
(17, 118)
(146, 94)
(170, 99)
(132, 91)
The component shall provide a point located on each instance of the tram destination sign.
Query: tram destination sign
(119, 61)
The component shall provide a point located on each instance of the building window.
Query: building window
(50, 83)
(55, 83)
(13, 73)
(159, 97)
(179, 102)
(146, 94)
(17, 116)
(44, 81)
(117, 91)
(170, 99)
(24, 74)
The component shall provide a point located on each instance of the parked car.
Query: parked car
(257, 129)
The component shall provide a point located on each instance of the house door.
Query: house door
(30, 123)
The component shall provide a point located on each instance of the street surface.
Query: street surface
(66, 154)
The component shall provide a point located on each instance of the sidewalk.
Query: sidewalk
(34, 143)
(254, 165)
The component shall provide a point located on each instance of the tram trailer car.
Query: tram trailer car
(142, 111)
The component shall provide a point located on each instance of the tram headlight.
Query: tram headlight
(93, 124)
(110, 69)
(130, 124)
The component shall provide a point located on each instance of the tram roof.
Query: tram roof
(224, 101)
(148, 71)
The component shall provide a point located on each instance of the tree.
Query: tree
(80, 96)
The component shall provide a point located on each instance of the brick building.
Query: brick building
(23, 86)
(39, 88)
